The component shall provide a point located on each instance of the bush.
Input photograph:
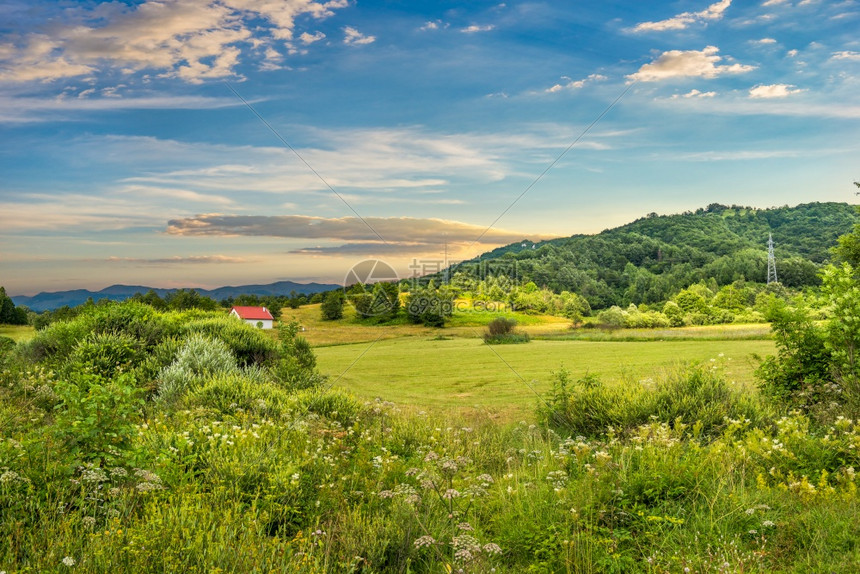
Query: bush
(198, 360)
(802, 362)
(106, 354)
(500, 331)
(332, 306)
(295, 367)
(228, 393)
(693, 395)
(250, 346)
(96, 418)
(430, 307)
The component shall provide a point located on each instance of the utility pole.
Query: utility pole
(771, 261)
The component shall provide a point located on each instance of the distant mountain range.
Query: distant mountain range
(47, 301)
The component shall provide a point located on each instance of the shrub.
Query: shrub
(95, 418)
(698, 394)
(106, 354)
(612, 318)
(333, 404)
(199, 359)
(227, 393)
(430, 307)
(801, 364)
(250, 346)
(295, 367)
(332, 306)
(501, 331)
(694, 395)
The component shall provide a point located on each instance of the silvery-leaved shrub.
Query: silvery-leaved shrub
(199, 359)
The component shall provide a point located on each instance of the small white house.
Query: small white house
(256, 316)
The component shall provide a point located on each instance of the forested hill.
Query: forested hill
(650, 259)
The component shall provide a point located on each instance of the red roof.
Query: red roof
(253, 313)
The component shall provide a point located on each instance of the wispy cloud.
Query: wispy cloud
(846, 55)
(773, 91)
(687, 64)
(353, 37)
(681, 21)
(30, 109)
(474, 28)
(570, 84)
(695, 94)
(179, 260)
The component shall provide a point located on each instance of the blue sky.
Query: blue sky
(126, 157)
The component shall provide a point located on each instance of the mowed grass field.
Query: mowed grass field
(427, 373)
(17, 333)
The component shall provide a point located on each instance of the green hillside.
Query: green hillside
(650, 259)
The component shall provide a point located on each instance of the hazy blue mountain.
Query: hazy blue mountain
(46, 301)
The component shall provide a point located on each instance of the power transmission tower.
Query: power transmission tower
(771, 261)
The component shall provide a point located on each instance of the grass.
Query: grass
(700, 333)
(464, 373)
(350, 329)
(17, 332)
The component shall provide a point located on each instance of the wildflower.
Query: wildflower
(93, 475)
(750, 511)
(451, 493)
(768, 524)
(492, 548)
(487, 479)
(465, 526)
(424, 541)
(385, 494)
(88, 521)
(69, 561)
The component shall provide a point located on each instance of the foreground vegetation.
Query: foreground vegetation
(144, 441)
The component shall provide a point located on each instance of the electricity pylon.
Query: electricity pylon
(771, 261)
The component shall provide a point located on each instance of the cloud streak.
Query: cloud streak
(395, 230)
(179, 260)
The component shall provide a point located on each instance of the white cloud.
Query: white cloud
(773, 91)
(574, 84)
(774, 2)
(681, 21)
(764, 41)
(846, 55)
(194, 40)
(433, 25)
(689, 63)
(791, 53)
(476, 28)
(306, 38)
(354, 37)
(694, 94)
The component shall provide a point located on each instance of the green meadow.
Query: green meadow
(465, 373)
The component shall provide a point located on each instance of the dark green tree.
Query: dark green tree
(332, 306)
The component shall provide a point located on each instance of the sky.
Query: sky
(201, 143)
